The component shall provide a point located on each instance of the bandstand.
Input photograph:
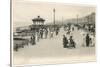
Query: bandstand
(38, 23)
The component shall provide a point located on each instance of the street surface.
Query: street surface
(51, 51)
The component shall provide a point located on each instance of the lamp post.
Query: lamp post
(77, 19)
(54, 18)
(62, 21)
(77, 22)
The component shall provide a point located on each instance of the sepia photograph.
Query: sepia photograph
(52, 33)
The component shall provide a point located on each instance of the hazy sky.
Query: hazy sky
(25, 11)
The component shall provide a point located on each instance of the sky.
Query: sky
(23, 11)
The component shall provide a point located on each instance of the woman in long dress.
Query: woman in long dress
(65, 41)
(33, 40)
(83, 42)
(92, 40)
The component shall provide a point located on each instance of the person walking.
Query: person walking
(57, 31)
(65, 41)
(92, 40)
(34, 39)
(16, 47)
(83, 41)
(38, 37)
(72, 43)
(87, 40)
(41, 33)
(46, 33)
(51, 34)
(72, 28)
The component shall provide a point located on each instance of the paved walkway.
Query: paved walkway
(50, 50)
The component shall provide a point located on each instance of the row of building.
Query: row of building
(89, 19)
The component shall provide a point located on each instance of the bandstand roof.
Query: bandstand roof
(38, 19)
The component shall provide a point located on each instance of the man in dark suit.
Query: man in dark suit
(87, 40)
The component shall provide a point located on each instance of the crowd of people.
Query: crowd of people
(88, 38)
(68, 41)
(71, 33)
(43, 34)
